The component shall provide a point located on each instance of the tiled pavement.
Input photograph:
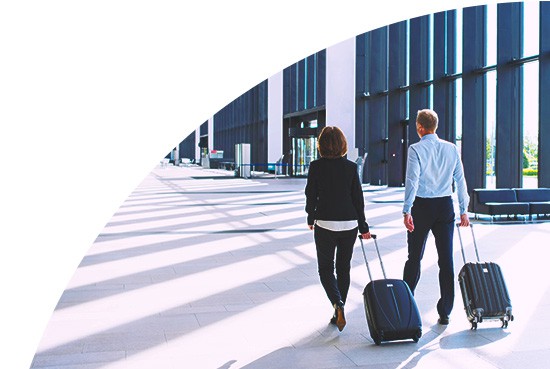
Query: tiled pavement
(201, 270)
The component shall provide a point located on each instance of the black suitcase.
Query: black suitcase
(390, 307)
(484, 292)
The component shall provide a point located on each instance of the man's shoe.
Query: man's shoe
(340, 317)
(443, 320)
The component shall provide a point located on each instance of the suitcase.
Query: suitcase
(484, 292)
(390, 307)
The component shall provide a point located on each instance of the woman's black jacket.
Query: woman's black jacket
(333, 192)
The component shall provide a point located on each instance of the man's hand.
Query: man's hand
(408, 221)
(464, 220)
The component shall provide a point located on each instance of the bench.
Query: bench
(511, 202)
(538, 199)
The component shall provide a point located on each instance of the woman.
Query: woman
(335, 211)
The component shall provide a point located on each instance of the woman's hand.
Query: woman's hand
(310, 226)
(365, 236)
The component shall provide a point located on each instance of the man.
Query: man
(432, 165)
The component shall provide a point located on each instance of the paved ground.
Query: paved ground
(201, 270)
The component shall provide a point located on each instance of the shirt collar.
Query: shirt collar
(430, 136)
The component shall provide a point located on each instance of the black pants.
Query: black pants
(328, 243)
(436, 215)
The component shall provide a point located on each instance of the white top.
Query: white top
(337, 225)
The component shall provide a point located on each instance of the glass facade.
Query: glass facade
(304, 98)
(244, 120)
(484, 69)
(187, 147)
(304, 84)
(480, 68)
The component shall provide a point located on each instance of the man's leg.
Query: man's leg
(416, 241)
(443, 231)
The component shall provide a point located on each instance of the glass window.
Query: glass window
(491, 34)
(408, 53)
(297, 88)
(316, 65)
(490, 138)
(459, 41)
(458, 104)
(305, 82)
(530, 124)
(431, 47)
(531, 22)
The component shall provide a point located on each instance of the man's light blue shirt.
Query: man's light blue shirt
(432, 165)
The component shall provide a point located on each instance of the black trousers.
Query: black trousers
(328, 243)
(436, 215)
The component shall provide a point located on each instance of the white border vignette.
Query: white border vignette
(94, 94)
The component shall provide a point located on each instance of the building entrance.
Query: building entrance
(304, 151)
(301, 144)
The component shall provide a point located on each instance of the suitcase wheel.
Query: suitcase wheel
(506, 319)
(417, 336)
(377, 338)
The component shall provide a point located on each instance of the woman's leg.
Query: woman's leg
(344, 253)
(325, 244)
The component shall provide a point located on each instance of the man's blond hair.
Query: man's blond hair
(427, 119)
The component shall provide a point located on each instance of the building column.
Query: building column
(397, 104)
(377, 106)
(444, 89)
(544, 97)
(275, 117)
(340, 90)
(509, 149)
(474, 103)
(210, 134)
(197, 141)
(419, 95)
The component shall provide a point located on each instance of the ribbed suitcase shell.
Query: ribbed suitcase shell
(390, 307)
(484, 292)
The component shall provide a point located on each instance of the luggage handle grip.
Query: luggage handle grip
(462, 246)
(373, 236)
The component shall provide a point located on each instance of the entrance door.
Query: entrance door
(304, 151)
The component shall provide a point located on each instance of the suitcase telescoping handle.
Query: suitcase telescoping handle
(462, 246)
(373, 236)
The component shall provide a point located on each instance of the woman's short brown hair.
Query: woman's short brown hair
(332, 143)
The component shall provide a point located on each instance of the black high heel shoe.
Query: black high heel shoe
(339, 318)
(334, 317)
